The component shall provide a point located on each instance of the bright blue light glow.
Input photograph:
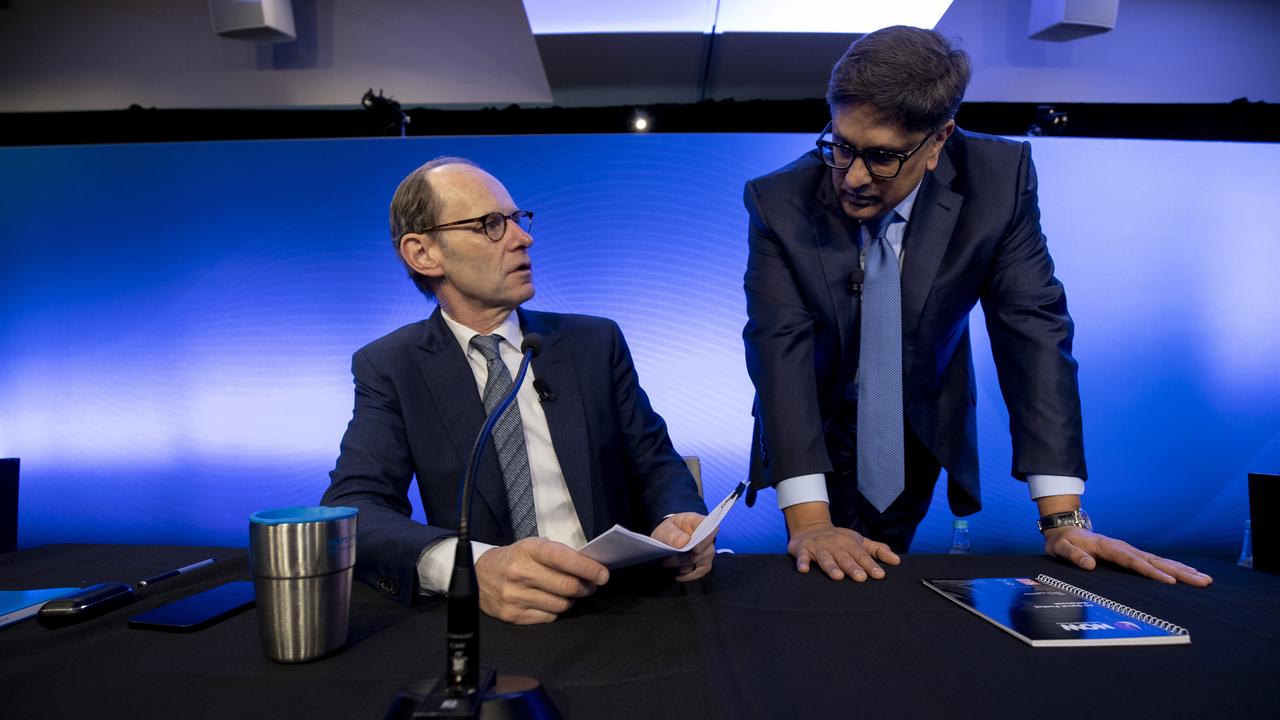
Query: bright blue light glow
(178, 320)
(827, 16)
(567, 17)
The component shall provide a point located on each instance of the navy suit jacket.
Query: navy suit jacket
(974, 236)
(417, 412)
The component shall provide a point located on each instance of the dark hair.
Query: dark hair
(415, 207)
(913, 78)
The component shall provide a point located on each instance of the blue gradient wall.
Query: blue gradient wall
(176, 321)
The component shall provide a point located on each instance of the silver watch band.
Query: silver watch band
(1074, 518)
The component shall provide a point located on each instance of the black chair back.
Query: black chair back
(8, 504)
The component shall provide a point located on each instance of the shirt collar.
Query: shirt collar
(508, 329)
(902, 211)
(904, 208)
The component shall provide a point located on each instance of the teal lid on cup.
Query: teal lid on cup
(300, 514)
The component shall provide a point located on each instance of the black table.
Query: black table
(752, 639)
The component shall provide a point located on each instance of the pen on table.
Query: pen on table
(174, 573)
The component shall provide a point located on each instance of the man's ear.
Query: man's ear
(946, 131)
(422, 254)
(939, 139)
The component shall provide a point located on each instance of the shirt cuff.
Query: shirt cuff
(1044, 485)
(435, 565)
(802, 489)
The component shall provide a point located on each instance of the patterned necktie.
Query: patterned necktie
(881, 476)
(508, 440)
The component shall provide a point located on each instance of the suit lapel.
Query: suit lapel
(933, 218)
(836, 237)
(566, 415)
(453, 386)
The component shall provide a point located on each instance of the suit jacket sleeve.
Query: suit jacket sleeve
(1031, 331)
(663, 480)
(779, 339)
(373, 474)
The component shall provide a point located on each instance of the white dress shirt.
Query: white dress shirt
(813, 488)
(553, 506)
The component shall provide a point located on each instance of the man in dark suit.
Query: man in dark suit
(866, 256)
(565, 464)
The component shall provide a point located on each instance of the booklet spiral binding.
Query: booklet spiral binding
(1112, 604)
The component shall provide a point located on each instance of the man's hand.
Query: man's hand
(1085, 548)
(535, 580)
(678, 530)
(840, 552)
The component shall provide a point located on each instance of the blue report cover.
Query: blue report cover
(1045, 612)
(16, 605)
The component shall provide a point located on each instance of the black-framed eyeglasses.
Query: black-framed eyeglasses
(494, 223)
(880, 163)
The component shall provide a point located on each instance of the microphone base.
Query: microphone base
(500, 697)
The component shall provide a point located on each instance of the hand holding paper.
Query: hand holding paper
(694, 560)
(619, 547)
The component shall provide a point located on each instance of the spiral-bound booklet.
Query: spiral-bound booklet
(1045, 612)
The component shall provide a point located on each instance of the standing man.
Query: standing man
(566, 463)
(866, 256)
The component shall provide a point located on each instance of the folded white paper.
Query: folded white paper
(619, 547)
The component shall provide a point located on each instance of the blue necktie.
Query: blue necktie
(508, 440)
(881, 475)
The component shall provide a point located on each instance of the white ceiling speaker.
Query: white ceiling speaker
(1061, 20)
(263, 21)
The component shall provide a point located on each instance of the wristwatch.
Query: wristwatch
(1075, 518)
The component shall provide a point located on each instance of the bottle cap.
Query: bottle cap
(959, 524)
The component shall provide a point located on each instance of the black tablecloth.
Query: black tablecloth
(752, 639)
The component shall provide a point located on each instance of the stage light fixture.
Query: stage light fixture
(1049, 121)
(640, 121)
(386, 108)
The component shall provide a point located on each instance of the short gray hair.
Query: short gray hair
(911, 77)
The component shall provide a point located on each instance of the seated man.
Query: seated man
(564, 464)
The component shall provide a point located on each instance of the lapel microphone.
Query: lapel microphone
(854, 286)
(544, 390)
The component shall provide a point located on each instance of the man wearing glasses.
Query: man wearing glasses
(580, 449)
(866, 256)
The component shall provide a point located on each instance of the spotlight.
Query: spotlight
(1049, 121)
(385, 108)
(640, 121)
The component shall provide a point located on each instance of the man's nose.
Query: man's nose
(517, 236)
(857, 175)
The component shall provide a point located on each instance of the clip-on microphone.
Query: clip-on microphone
(467, 690)
(854, 285)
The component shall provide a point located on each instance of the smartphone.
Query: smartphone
(198, 611)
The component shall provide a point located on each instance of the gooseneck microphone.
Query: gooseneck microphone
(529, 349)
(464, 686)
(463, 666)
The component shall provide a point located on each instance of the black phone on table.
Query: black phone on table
(198, 611)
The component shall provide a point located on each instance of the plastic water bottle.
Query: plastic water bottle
(1246, 551)
(959, 537)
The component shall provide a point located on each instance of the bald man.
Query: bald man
(564, 466)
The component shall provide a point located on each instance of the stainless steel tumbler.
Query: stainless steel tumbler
(302, 560)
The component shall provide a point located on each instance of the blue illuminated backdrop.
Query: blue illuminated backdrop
(178, 320)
